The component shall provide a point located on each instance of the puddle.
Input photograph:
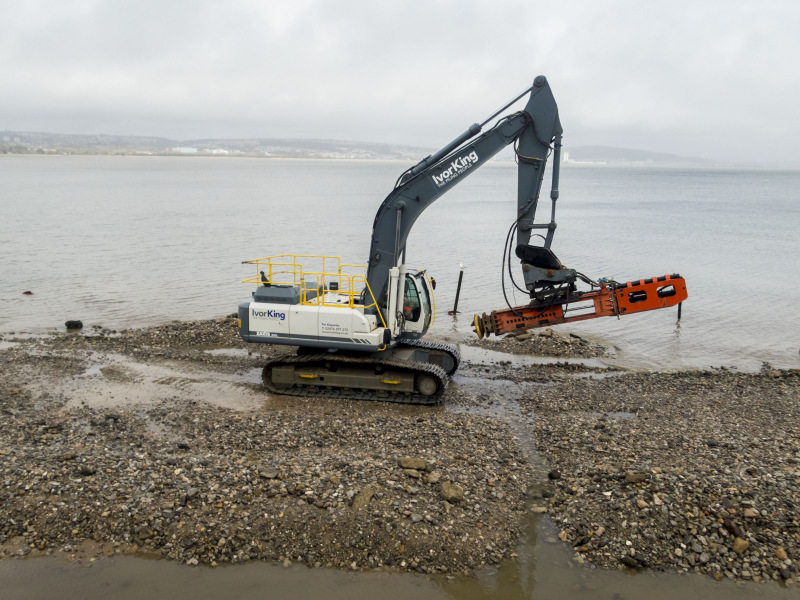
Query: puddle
(232, 352)
(119, 381)
(542, 569)
(622, 415)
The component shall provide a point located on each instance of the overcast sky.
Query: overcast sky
(715, 79)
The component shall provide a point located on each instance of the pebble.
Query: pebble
(698, 469)
(343, 483)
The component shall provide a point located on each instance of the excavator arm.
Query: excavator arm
(537, 132)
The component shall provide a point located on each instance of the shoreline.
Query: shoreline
(145, 441)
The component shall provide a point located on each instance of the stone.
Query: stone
(632, 477)
(433, 477)
(749, 513)
(630, 562)
(268, 472)
(452, 492)
(740, 546)
(74, 324)
(732, 528)
(780, 554)
(408, 462)
(361, 500)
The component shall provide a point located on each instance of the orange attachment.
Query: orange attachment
(610, 300)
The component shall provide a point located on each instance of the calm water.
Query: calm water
(543, 571)
(124, 241)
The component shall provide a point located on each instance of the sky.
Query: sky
(707, 78)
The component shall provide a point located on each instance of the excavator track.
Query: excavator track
(328, 375)
(448, 349)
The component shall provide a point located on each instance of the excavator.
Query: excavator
(359, 328)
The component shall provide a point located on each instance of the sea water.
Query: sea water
(134, 241)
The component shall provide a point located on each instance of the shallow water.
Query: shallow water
(135, 241)
(542, 570)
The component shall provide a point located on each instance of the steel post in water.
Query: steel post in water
(458, 291)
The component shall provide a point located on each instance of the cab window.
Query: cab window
(425, 296)
(411, 305)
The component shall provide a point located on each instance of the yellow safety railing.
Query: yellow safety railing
(320, 271)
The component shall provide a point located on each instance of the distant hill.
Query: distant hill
(23, 142)
(57, 143)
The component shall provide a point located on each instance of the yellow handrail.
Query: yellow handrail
(288, 264)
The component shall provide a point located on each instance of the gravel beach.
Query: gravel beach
(161, 441)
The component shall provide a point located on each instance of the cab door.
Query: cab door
(416, 309)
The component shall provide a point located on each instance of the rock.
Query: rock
(554, 474)
(415, 517)
(412, 473)
(74, 324)
(540, 510)
(268, 472)
(87, 470)
(632, 477)
(740, 546)
(433, 477)
(361, 500)
(452, 492)
(630, 562)
(27, 293)
(732, 528)
(408, 462)
(780, 554)
(749, 513)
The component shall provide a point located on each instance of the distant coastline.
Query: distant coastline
(39, 143)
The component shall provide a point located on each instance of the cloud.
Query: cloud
(706, 78)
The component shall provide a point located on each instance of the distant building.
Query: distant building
(185, 150)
